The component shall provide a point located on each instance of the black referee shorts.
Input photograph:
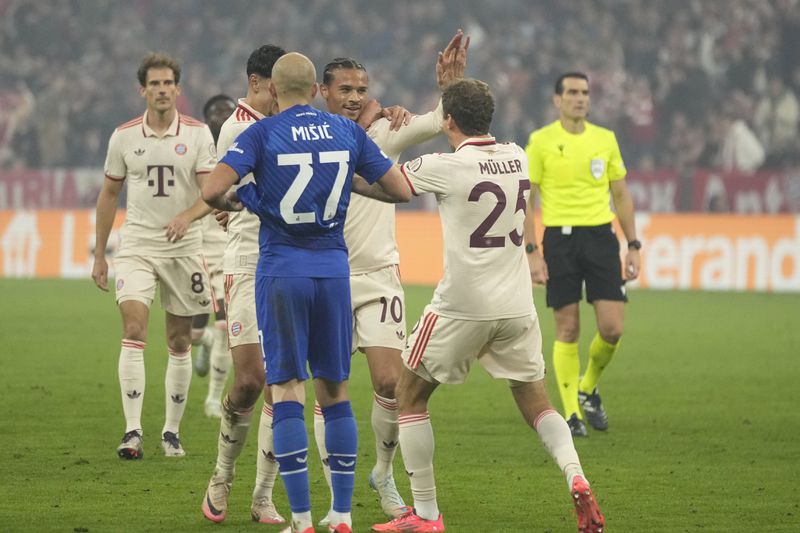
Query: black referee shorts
(581, 254)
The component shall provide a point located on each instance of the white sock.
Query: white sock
(319, 436)
(301, 521)
(233, 430)
(340, 518)
(386, 430)
(176, 384)
(266, 463)
(220, 363)
(131, 382)
(557, 440)
(203, 336)
(417, 445)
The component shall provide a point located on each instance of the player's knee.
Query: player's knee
(385, 385)
(611, 333)
(135, 331)
(248, 386)
(179, 342)
(568, 332)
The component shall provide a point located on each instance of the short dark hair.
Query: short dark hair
(157, 60)
(560, 81)
(213, 100)
(471, 104)
(263, 59)
(335, 64)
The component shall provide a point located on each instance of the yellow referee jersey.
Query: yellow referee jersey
(573, 172)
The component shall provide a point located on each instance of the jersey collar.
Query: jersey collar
(477, 141)
(249, 110)
(173, 130)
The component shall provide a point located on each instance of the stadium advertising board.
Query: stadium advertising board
(710, 252)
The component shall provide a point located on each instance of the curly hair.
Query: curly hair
(471, 104)
(157, 60)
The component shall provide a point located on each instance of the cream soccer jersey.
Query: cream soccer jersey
(162, 182)
(482, 189)
(369, 229)
(241, 252)
(214, 241)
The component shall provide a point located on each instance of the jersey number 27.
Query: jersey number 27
(303, 178)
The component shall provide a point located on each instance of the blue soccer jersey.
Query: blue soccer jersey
(303, 161)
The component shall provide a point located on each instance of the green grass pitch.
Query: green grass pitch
(702, 399)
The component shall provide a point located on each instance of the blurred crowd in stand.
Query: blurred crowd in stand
(686, 84)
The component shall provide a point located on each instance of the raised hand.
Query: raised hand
(451, 63)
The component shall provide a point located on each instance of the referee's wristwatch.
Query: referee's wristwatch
(530, 248)
(635, 244)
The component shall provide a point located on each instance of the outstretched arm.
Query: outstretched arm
(391, 188)
(217, 186)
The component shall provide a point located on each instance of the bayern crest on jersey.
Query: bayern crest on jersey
(180, 149)
(598, 168)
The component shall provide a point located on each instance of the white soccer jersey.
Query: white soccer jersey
(214, 242)
(241, 252)
(162, 182)
(369, 229)
(482, 189)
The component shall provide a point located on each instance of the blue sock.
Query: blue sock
(291, 450)
(341, 440)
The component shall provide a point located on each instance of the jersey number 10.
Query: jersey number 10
(303, 178)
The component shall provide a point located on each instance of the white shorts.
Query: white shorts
(240, 303)
(217, 282)
(442, 349)
(378, 309)
(182, 283)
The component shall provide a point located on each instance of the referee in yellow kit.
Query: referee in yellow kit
(577, 167)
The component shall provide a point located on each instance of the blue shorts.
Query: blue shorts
(304, 322)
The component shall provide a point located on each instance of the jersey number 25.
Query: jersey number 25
(478, 238)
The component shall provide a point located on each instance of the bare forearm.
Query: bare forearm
(529, 224)
(374, 191)
(104, 220)
(623, 203)
(198, 210)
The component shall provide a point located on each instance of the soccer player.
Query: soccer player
(376, 291)
(240, 259)
(577, 165)
(480, 309)
(212, 342)
(162, 155)
(303, 161)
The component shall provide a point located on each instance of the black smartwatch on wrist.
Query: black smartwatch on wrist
(635, 244)
(530, 248)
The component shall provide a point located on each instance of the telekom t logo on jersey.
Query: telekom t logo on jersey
(162, 180)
